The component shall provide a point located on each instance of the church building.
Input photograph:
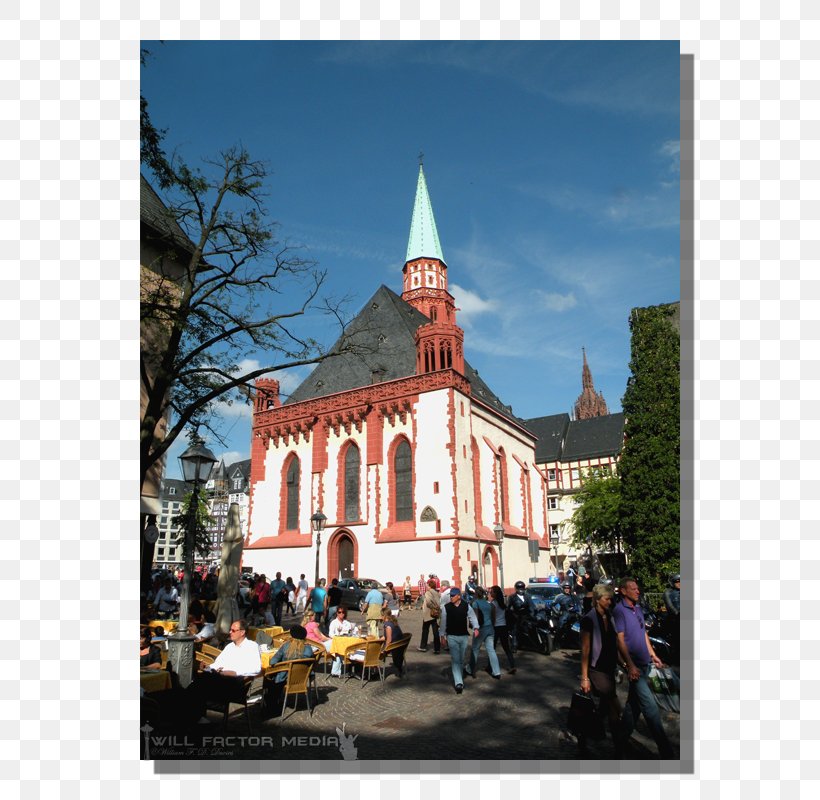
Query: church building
(407, 452)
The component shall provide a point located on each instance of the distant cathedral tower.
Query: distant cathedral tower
(589, 403)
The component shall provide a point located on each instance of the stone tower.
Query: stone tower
(589, 403)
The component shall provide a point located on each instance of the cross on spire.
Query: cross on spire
(421, 158)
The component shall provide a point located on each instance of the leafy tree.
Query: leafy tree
(649, 467)
(202, 524)
(598, 515)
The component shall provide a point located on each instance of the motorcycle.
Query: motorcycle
(661, 644)
(565, 625)
(532, 632)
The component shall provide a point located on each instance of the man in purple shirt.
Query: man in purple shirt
(636, 651)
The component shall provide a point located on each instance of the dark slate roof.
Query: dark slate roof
(383, 333)
(244, 468)
(562, 439)
(154, 213)
(550, 432)
(181, 487)
(597, 436)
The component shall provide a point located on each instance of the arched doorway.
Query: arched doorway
(342, 555)
(490, 564)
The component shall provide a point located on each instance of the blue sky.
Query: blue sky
(553, 170)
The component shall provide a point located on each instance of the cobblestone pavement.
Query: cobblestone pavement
(521, 716)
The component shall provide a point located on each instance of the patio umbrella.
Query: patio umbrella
(227, 609)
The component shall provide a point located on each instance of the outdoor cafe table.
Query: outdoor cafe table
(275, 630)
(155, 680)
(266, 657)
(340, 643)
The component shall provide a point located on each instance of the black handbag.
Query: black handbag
(583, 716)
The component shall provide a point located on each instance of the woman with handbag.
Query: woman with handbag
(599, 660)
(502, 634)
(430, 614)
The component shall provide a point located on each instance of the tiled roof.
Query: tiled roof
(550, 432)
(383, 332)
(562, 439)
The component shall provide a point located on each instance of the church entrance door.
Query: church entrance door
(346, 564)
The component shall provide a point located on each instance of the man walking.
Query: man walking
(373, 602)
(455, 617)
(332, 601)
(486, 619)
(636, 650)
(278, 596)
(317, 600)
(422, 590)
(301, 594)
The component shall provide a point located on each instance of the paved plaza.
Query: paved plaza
(520, 716)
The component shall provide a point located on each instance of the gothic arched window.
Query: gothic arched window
(292, 495)
(403, 471)
(351, 496)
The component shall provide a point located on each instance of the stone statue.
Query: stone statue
(227, 608)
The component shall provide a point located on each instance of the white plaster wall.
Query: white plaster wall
(433, 462)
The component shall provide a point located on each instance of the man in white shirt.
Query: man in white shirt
(223, 681)
(340, 626)
(301, 594)
(167, 598)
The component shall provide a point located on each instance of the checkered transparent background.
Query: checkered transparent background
(68, 178)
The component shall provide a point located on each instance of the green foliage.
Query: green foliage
(598, 516)
(202, 522)
(649, 467)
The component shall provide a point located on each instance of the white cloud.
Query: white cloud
(469, 302)
(558, 302)
(671, 149)
(232, 456)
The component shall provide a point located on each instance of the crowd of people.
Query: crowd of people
(459, 621)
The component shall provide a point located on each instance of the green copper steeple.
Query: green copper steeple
(423, 234)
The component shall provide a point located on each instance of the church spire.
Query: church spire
(423, 240)
(589, 403)
(425, 273)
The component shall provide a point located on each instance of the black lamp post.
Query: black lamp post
(498, 530)
(554, 539)
(317, 522)
(196, 462)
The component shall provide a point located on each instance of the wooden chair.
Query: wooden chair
(368, 659)
(280, 639)
(298, 681)
(204, 658)
(210, 650)
(399, 646)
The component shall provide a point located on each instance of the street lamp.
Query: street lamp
(498, 530)
(554, 539)
(196, 462)
(317, 522)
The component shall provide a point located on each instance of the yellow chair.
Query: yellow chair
(203, 658)
(299, 672)
(210, 650)
(366, 655)
(399, 646)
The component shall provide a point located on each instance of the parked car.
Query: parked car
(354, 590)
(543, 592)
